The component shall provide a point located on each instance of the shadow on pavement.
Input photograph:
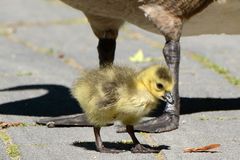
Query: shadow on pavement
(194, 105)
(58, 101)
(117, 145)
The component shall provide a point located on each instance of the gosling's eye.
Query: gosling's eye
(159, 86)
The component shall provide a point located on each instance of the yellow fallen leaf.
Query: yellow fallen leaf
(137, 57)
(128, 141)
(5, 31)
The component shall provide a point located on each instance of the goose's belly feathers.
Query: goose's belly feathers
(136, 11)
(127, 10)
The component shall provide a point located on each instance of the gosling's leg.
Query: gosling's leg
(138, 148)
(99, 145)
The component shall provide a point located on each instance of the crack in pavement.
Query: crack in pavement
(12, 149)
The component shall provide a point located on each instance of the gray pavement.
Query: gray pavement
(43, 46)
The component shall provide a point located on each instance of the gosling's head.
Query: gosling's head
(159, 82)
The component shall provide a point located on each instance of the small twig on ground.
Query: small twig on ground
(9, 124)
(202, 149)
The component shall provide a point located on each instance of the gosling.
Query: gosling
(117, 93)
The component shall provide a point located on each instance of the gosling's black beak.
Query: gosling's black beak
(168, 98)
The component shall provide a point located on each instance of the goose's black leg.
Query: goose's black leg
(106, 51)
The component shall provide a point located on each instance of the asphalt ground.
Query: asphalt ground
(44, 45)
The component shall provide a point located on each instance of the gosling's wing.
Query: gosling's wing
(110, 95)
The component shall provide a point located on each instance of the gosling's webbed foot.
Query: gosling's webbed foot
(109, 150)
(166, 122)
(139, 148)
